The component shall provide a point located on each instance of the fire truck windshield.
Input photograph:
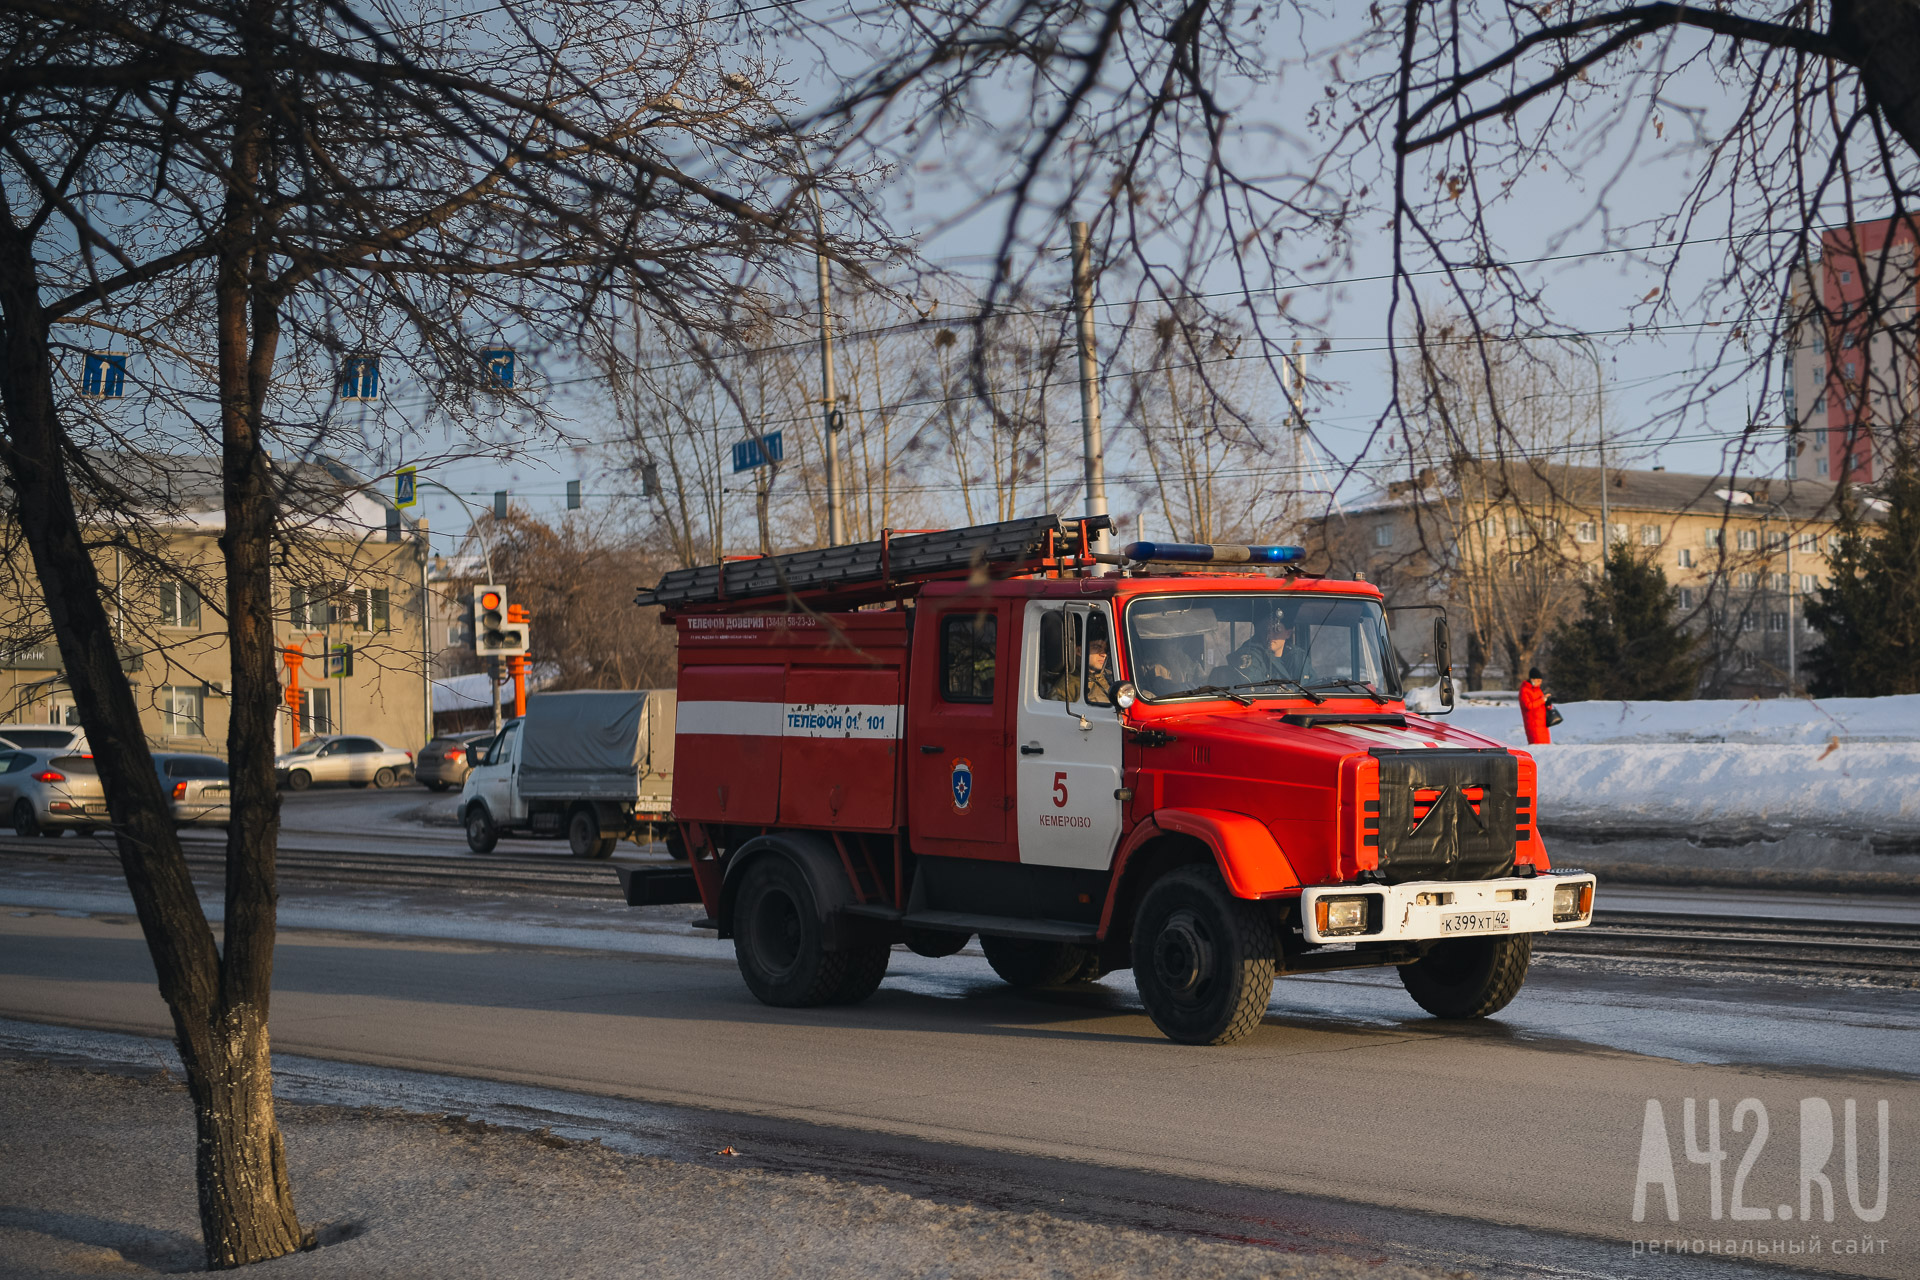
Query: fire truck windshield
(1267, 645)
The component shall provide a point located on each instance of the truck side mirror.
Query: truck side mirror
(473, 755)
(1443, 659)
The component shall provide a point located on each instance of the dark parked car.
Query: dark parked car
(443, 762)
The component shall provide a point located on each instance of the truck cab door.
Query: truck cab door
(494, 780)
(1069, 738)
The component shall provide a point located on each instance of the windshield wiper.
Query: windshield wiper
(1378, 698)
(1240, 698)
(1299, 688)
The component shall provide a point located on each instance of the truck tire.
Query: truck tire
(1202, 958)
(935, 943)
(1021, 962)
(780, 944)
(584, 838)
(482, 834)
(1469, 977)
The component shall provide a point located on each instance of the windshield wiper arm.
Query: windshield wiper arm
(1240, 698)
(1379, 699)
(1285, 680)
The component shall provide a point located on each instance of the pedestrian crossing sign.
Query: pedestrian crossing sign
(405, 494)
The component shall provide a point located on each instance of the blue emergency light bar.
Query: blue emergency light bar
(1213, 553)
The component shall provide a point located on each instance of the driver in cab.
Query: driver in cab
(1271, 655)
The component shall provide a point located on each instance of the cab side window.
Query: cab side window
(497, 753)
(966, 656)
(1099, 687)
(1051, 679)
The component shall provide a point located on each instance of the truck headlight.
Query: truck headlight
(1336, 916)
(1572, 901)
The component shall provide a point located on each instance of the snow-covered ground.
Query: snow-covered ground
(1849, 764)
(1772, 721)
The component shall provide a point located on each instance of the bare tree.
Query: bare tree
(247, 196)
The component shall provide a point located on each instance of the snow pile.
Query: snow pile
(1850, 785)
(1839, 764)
(1773, 721)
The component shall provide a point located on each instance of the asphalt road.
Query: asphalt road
(1346, 1095)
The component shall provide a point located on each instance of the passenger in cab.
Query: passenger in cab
(1270, 655)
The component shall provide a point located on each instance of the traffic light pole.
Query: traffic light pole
(517, 664)
(493, 679)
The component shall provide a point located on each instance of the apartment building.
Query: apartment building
(1504, 549)
(1849, 381)
(350, 600)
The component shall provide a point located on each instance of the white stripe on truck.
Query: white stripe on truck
(791, 720)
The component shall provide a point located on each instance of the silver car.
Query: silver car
(342, 757)
(45, 792)
(196, 787)
(45, 737)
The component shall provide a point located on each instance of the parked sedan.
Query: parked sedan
(197, 788)
(346, 758)
(48, 791)
(443, 762)
(45, 737)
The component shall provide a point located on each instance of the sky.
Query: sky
(1584, 266)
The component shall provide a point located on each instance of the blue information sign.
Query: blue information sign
(749, 453)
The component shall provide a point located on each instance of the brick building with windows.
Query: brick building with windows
(1504, 550)
(1849, 385)
(350, 574)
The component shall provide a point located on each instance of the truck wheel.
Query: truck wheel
(584, 838)
(1203, 959)
(1469, 977)
(482, 835)
(1024, 963)
(780, 945)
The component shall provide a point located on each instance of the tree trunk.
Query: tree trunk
(219, 1008)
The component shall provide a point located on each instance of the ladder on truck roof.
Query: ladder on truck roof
(883, 568)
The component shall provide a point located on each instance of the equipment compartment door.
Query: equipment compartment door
(957, 797)
(1068, 738)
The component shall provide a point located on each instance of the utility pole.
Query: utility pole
(493, 679)
(1093, 451)
(829, 399)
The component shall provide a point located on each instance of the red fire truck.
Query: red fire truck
(1181, 760)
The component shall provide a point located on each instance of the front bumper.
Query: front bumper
(1424, 910)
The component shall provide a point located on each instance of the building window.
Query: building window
(1383, 535)
(1852, 367)
(1833, 544)
(1685, 559)
(1808, 584)
(1749, 623)
(363, 608)
(1749, 540)
(1809, 542)
(966, 656)
(1821, 465)
(316, 711)
(1649, 535)
(1777, 622)
(103, 375)
(1846, 277)
(1716, 537)
(1780, 582)
(183, 710)
(360, 378)
(1616, 533)
(1749, 582)
(1686, 597)
(1846, 341)
(1516, 527)
(179, 605)
(1586, 531)
(1776, 542)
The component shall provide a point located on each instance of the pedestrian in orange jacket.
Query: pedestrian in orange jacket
(1533, 707)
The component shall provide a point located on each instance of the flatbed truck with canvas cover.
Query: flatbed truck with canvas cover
(1173, 760)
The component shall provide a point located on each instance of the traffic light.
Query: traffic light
(499, 629)
(489, 618)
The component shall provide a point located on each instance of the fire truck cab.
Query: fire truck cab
(1169, 760)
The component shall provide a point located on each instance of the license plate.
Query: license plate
(1475, 922)
(94, 808)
